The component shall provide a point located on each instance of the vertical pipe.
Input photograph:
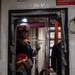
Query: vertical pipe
(63, 43)
(47, 51)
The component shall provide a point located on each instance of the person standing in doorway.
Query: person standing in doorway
(23, 44)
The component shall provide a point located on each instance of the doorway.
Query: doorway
(42, 31)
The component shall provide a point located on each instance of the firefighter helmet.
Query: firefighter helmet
(25, 27)
(21, 58)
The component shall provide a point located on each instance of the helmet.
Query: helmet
(22, 31)
(24, 27)
(21, 58)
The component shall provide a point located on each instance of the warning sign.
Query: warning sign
(65, 2)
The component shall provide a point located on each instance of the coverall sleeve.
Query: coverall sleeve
(53, 58)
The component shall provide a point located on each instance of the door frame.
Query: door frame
(15, 14)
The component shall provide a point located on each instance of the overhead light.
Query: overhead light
(24, 20)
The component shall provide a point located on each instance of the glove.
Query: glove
(38, 47)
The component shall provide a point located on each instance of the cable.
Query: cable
(72, 20)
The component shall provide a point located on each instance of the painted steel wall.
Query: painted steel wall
(33, 4)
